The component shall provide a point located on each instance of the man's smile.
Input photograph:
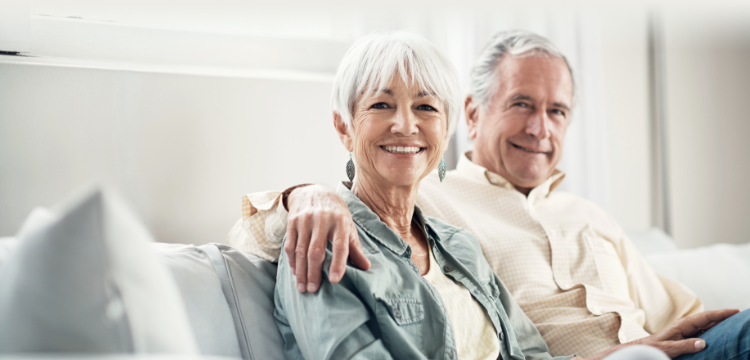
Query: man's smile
(530, 150)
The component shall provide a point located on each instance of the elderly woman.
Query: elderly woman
(429, 292)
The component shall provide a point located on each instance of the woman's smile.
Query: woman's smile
(403, 149)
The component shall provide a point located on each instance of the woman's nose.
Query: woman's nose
(405, 123)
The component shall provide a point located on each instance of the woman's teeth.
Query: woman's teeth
(402, 149)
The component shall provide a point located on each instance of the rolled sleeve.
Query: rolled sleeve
(260, 231)
(663, 300)
(332, 323)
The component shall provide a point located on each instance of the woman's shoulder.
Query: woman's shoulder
(446, 231)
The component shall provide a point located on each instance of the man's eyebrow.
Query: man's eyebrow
(562, 106)
(521, 97)
(529, 98)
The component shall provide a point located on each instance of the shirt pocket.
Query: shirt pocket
(491, 287)
(403, 311)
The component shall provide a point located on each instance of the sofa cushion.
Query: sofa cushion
(85, 281)
(248, 285)
(207, 308)
(718, 274)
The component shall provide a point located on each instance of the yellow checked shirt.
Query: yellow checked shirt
(566, 262)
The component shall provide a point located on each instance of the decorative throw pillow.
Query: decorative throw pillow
(85, 281)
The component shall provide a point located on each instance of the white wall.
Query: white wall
(625, 69)
(182, 148)
(708, 87)
(185, 140)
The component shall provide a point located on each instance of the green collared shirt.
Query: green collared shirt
(390, 311)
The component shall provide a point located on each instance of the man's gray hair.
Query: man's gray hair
(484, 80)
(373, 60)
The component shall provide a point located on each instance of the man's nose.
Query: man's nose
(537, 125)
(405, 123)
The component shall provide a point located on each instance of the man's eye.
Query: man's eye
(380, 105)
(521, 104)
(426, 107)
(558, 112)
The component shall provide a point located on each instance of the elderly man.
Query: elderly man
(567, 263)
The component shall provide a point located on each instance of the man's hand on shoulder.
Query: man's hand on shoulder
(316, 215)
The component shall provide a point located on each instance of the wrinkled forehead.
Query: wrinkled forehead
(538, 76)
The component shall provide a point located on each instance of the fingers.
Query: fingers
(304, 233)
(356, 253)
(687, 346)
(694, 324)
(290, 245)
(340, 254)
(316, 254)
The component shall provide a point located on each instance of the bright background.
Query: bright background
(184, 105)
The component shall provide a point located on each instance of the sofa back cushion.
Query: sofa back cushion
(201, 291)
(85, 281)
(248, 284)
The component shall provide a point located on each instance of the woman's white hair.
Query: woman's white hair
(373, 60)
(484, 80)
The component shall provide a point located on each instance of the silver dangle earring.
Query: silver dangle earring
(441, 169)
(350, 168)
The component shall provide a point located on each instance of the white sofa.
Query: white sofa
(86, 279)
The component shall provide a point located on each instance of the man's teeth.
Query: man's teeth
(529, 150)
(402, 149)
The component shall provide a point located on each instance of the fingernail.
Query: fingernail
(334, 277)
(301, 287)
(311, 287)
(700, 345)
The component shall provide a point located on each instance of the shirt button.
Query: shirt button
(448, 268)
(397, 313)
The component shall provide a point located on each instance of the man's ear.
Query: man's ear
(472, 116)
(344, 135)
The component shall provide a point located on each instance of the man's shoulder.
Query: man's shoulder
(575, 207)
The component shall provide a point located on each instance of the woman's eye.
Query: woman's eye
(380, 105)
(426, 107)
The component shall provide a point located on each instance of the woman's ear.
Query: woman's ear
(344, 135)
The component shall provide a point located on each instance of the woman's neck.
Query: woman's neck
(393, 204)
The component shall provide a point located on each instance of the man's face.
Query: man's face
(520, 134)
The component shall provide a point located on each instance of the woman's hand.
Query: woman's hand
(317, 215)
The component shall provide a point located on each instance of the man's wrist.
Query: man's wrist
(287, 192)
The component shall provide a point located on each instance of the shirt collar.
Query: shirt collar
(370, 222)
(469, 169)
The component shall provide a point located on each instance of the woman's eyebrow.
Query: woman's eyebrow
(425, 93)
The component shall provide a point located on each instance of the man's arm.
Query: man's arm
(316, 215)
(678, 338)
(662, 300)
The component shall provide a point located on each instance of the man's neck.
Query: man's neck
(522, 189)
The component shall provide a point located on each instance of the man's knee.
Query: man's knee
(638, 352)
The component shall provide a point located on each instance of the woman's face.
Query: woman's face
(398, 134)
